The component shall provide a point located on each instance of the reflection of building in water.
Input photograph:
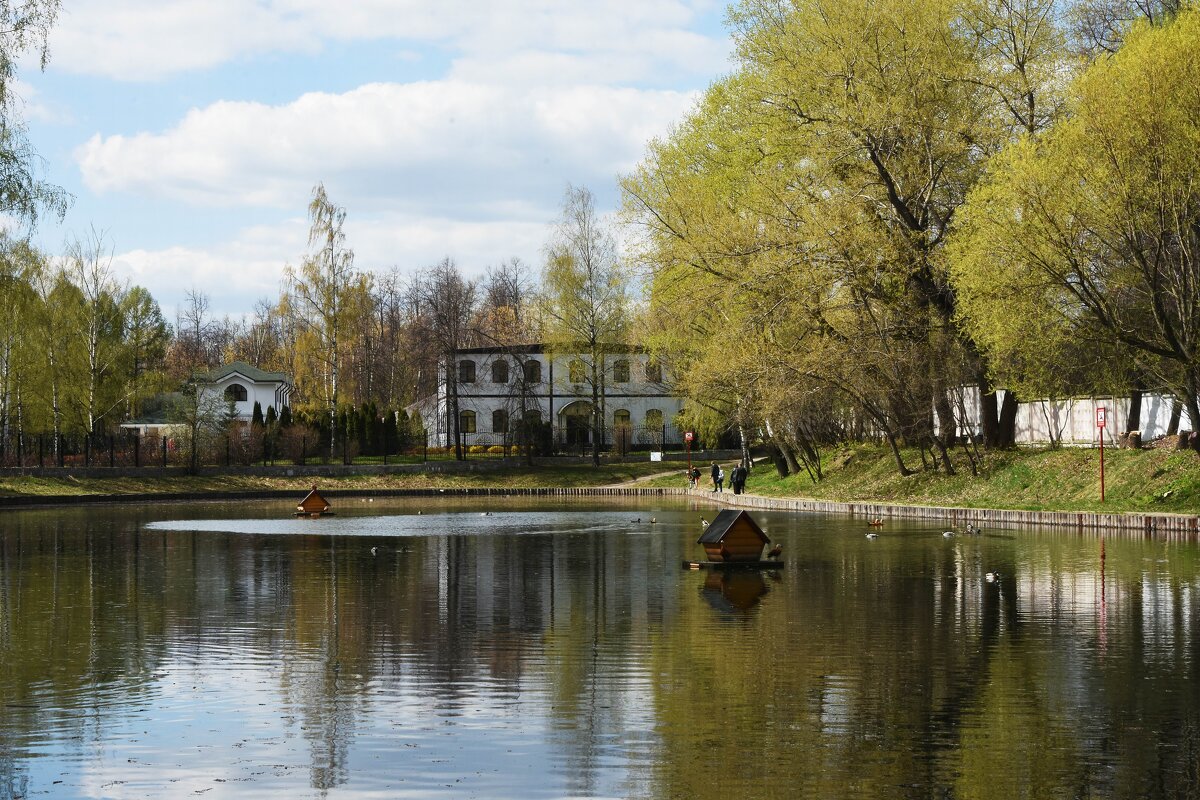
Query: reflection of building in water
(733, 590)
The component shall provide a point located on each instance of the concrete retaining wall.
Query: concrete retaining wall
(1183, 526)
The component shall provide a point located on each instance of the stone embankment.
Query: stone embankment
(1165, 525)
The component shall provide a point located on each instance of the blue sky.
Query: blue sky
(191, 132)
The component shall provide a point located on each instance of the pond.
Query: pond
(530, 649)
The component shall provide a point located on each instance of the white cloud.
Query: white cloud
(237, 273)
(431, 147)
(34, 107)
(140, 40)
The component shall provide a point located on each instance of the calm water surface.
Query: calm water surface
(547, 651)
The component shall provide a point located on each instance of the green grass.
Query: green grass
(552, 475)
(1047, 480)
(1067, 479)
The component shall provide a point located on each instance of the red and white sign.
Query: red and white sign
(1101, 416)
(687, 436)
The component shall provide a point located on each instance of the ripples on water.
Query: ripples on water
(560, 651)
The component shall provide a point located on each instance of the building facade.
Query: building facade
(243, 386)
(504, 390)
(237, 383)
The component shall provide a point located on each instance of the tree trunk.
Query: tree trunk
(891, 440)
(452, 406)
(948, 428)
(1134, 423)
(779, 461)
(596, 420)
(1176, 413)
(1193, 406)
(1006, 432)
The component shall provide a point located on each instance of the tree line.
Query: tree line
(889, 201)
(83, 351)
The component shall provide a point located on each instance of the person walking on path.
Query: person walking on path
(737, 479)
(715, 472)
(720, 479)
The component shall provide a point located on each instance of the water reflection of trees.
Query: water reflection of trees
(887, 672)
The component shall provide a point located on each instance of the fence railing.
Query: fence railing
(304, 445)
(131, 449)
(577, 440)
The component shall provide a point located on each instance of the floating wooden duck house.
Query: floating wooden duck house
(733, 539)
(313, 505)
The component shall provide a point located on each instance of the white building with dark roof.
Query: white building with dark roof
(237, 383)
(498, 387)
(244, 385)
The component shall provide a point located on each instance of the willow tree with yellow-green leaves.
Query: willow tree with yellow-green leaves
(794, 224)
(1096, 224)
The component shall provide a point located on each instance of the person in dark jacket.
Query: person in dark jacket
(716, 474)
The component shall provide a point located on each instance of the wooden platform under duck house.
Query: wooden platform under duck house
(313, 505)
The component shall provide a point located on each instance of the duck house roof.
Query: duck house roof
(313, 502)
(725, 522)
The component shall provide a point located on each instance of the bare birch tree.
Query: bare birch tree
(585, 291)
(319, 290)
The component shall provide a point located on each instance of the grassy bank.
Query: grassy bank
(1051, 480)
(574, 475)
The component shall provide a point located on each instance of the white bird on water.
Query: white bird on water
(703, 522)
(947, 534)
(373, 550)
(872, 535)
(992, 577)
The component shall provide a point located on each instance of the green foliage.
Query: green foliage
(794, 224)
(1080, 247)
(24, 196)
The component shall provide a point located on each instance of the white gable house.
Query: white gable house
(243, 386)
(499, 388)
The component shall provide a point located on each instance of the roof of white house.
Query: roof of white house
(244, 370)
(541, 347)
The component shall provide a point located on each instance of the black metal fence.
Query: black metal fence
(238, 447)
(111, 450)
(301, 445)
(577, 440)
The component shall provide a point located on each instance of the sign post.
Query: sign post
(1101, 421)
(687, 440)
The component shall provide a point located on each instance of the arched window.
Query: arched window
(621, 371)
(576, 371)
(499, 421)
(653, 372)
(235, 392)
(533, 371)
(466, 422)
(466, 371)
(500, 371)
(653, 418)
(532, 416)
(621, 418)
